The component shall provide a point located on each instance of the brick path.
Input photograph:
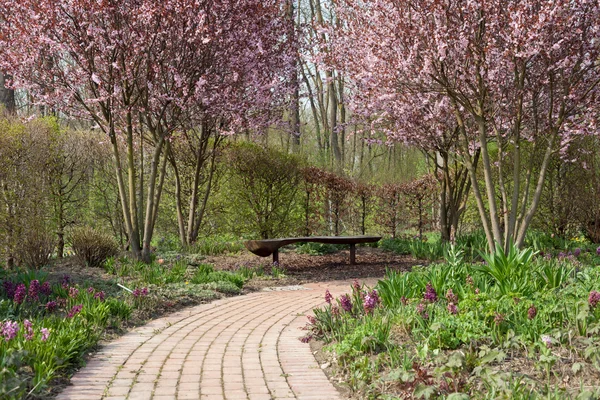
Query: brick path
(245, 347)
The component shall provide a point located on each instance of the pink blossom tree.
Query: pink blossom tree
(516, 80)
(146, 69)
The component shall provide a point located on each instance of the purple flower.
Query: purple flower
(51, 306)
(28, 329)
(99, 296)
(532, 312)
(469, 280)
(66, 280)
(452, 309)
(9, 288)
(371, 301)
(403, 300)
(73, 292)
(547, 340)
(136, 293)
(577, 252)
(598, 251)
(356, 286)
(346, 303)
(451, 297)
(328, 297)
(46, 289)
(91, 290)
(311, 319)
(498, 318)
(306, 339)
(594, 298)
(430, 294)
(34, 290)
(45, 334)
(561, 255)
(10, 330)
(75, 310)
(145, 291)
(422, 310)
(20, 293)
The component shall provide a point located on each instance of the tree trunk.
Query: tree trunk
(151, 201)
(294, 82)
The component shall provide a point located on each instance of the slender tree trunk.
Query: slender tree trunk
(211, 174)
(60, 245)
(131, 171)
(295, 84)
(133, 238)
(151, 201)
(178, 206)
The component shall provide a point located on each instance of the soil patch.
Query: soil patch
(305, 268)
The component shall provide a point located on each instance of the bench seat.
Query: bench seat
(266, 247)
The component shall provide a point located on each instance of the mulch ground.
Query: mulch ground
(304, 268)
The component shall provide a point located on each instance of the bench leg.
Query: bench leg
(276, 257)
(352, 254)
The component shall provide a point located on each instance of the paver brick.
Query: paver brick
(244, 348)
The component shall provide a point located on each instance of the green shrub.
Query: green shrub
(93, 247)
(318, 249)
(262, 188)
(216, 245)
(396, 245)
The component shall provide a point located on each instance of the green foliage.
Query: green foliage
(216, 245)
(453, 327)
(201, 276)
(225, 287)
(262, 188)
(318, 249)
(51, 341)
(93, 247)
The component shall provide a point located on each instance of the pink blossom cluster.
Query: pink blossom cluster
(10, 329)
(531, 312)
(143, 292)
(371, 301)
(430, 294)
(76, 309)
(594, 298)
(346, 303)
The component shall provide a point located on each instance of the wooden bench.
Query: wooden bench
(266, 247)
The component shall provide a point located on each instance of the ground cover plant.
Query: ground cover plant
(517, 325)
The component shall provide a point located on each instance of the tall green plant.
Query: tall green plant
(511, 271)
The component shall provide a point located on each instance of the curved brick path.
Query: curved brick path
(245, 347)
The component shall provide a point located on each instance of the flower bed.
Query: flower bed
(519, 325)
